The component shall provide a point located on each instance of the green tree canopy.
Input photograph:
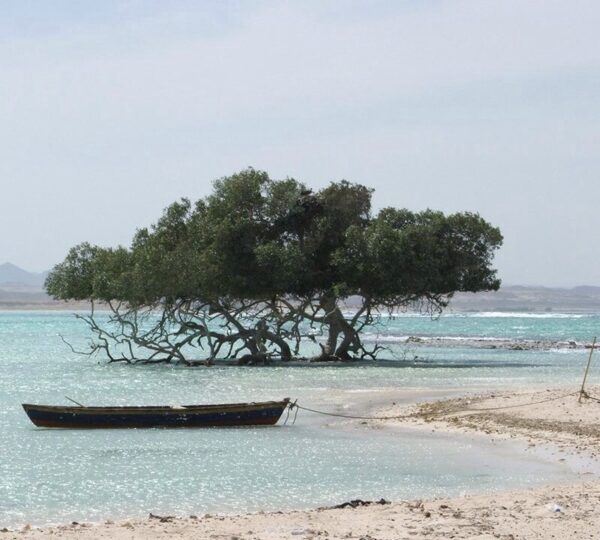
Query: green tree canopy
(269, 258)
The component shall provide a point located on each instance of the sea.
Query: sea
(57, 476)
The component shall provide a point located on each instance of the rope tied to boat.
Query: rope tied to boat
(350, 416)
(295, 406)
(288, 409)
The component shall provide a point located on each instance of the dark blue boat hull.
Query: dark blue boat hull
(197, 416)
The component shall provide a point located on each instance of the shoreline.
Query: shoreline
(553, 511)
(562, 510)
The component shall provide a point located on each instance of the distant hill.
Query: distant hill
(534, 299)
(519, 298)
(20, 289)
(13, 277)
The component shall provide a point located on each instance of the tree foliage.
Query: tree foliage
(259, 265)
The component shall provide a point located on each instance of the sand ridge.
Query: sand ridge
(544, 416)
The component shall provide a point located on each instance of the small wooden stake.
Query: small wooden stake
(587, 369)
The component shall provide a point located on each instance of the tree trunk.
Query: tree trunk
(284, 348)
(328, 304)
(350, 341)
(338, 326)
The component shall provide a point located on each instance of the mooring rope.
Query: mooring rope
(593, 398)
(440, 413)
(354, 417)
(520, 404)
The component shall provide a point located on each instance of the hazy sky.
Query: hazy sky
(111, 110)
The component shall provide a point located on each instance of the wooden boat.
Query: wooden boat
(181, 416)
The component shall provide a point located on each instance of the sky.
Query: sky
(110, 111)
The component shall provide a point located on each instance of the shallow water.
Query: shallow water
(64, 475)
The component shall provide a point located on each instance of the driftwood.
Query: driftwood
(260, 359)
(355, 503)
(162, 519)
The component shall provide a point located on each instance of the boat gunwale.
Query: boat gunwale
(165, 409)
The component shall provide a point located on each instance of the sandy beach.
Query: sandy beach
(546, 417)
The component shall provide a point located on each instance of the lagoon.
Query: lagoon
(63, 475)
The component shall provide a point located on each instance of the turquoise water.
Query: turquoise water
(56, 476)
(542, 326)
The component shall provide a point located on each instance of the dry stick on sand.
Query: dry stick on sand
(587, 369)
